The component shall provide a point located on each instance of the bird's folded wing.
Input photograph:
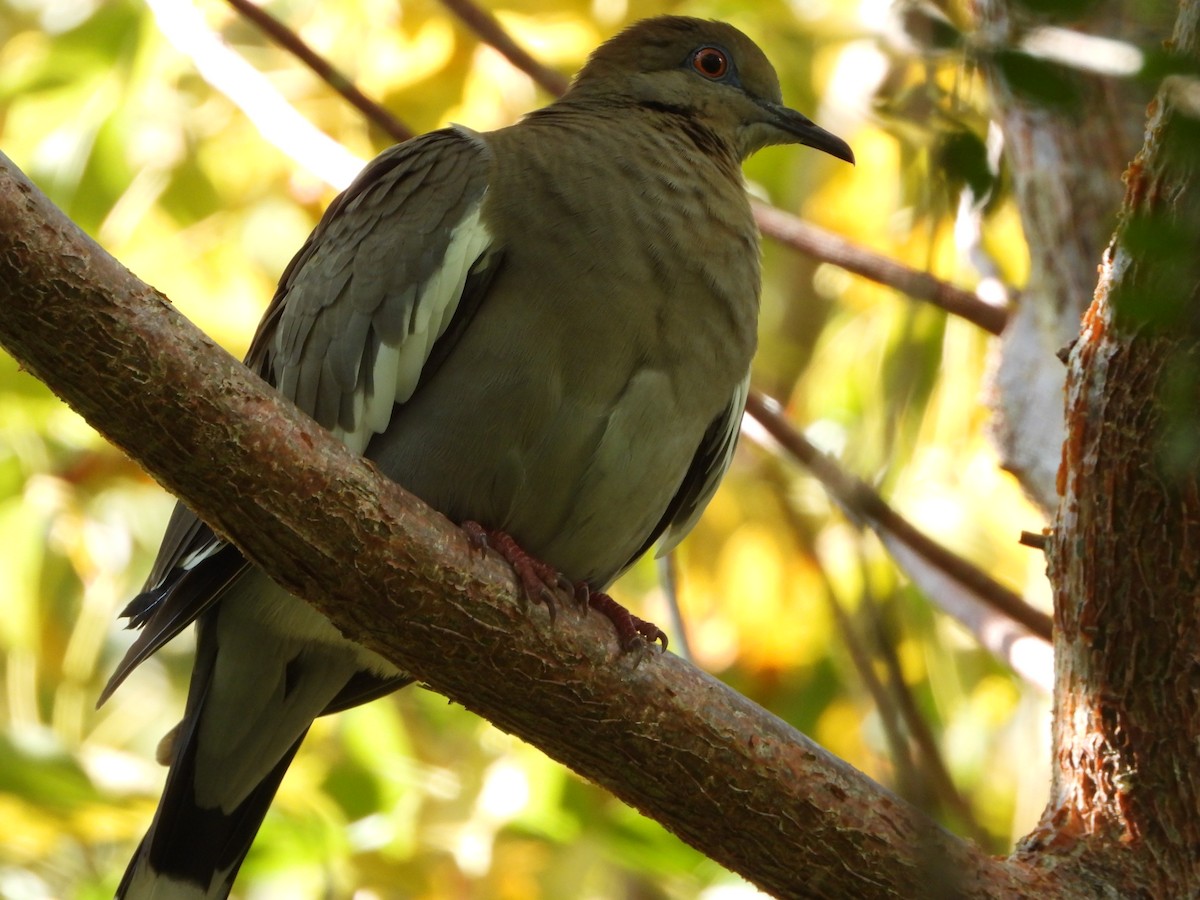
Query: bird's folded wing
(712, 458)
(368, 308)
(381, 279)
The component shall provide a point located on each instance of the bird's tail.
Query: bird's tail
(192, 851)
(255, 689)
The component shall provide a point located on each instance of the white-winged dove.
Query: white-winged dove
(544, 329)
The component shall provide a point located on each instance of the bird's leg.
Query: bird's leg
(538, 579)
(543, 583)
(631, 631)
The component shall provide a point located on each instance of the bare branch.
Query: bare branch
(1027, 653)
(864, 504)
(826, 246)
(491, 32)
(286, 38)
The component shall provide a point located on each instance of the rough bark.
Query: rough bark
(722, 773)
(1125, 555)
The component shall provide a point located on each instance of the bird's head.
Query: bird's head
(707, 71)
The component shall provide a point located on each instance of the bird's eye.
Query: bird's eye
(711, 62)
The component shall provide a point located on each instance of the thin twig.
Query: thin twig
(491, 32)
(828, 247)
(934, 768)
(907, 778)
(863, 503)
(286, 38)
(913, 783)
(668, 577)
(894, 701)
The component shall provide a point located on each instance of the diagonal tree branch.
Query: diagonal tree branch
(725, 775)
(817, 242)
(285, 37)
(490, 31)
(863, 504)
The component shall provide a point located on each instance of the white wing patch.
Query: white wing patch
(398, 367)
(197, 556)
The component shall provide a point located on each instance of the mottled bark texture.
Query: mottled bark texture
(1125, 554)
(1065, 159)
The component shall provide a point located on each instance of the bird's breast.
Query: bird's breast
(618, 327)
(632, 226)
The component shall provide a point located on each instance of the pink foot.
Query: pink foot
(631, 631)
(539, 581)
(542, 583)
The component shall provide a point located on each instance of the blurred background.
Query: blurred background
(200, 154)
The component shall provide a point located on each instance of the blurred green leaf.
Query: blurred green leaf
(1038, 80)
(35, 766)
(962, 156)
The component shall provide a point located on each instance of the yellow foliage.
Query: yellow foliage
(169, 173)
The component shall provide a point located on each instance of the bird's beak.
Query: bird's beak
(803, 130)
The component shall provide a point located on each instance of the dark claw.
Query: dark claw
(650, 631)
(550, 601)
(582, 594)
(476, 536)
(538, 581)
(632, 632)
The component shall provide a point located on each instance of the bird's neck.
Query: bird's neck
(633, 116)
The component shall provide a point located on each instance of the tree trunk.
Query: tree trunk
(1066, 162)
(1125, 554)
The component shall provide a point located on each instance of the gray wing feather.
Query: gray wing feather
(703, 477)
(352, 296)
(346, 337)
(708, 468)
